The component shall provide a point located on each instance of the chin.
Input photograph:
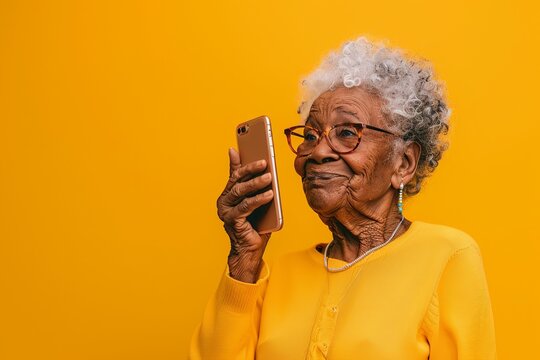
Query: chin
(322, 202)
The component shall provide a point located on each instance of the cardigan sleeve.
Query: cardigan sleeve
(230, 326)
(464, 325)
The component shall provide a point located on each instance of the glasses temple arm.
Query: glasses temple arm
(296, 134)
(379, 129)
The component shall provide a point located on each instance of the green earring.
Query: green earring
(400, 199)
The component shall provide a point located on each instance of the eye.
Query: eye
(345, 132)
(310, 135)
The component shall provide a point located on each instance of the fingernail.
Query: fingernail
(261, 162)
(267, 176)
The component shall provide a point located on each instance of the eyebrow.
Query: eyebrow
(348, 112)
(310, 121)
(339, 109)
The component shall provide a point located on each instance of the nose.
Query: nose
(323, 152)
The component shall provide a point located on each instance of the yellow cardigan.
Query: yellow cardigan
(423, 295)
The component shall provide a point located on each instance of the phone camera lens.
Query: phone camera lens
(238, 130)
(243, 129)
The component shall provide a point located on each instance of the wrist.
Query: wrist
(245, 267)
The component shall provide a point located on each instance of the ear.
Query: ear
(406, 164)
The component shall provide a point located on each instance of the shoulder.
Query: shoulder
(435, 245)
(443, 237)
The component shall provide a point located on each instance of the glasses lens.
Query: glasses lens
(344, 138)
(304, 139)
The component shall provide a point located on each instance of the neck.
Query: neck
(355, 232)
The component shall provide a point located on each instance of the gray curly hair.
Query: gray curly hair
(415, 104)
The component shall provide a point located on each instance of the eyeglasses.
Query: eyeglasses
(342, 138)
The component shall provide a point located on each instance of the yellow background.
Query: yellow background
(115, 119)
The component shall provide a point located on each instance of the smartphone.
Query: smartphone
(254, 138)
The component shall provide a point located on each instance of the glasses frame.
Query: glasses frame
(359, 126)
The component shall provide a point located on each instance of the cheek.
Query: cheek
(299, 165)
(360, 167)
(371, 179)
(366, 173)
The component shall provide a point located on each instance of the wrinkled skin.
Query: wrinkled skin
(234, 205)
(354, 194)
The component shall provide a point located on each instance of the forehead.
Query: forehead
(357, 102)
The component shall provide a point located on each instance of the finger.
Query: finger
(241, 189)
(234, 160)
(248, 171)
(250, 204)
(245, 172)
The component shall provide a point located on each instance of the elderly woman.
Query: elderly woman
(383, 287)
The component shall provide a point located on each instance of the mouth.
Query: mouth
(314, 176)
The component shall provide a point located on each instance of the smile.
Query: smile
(311, 176)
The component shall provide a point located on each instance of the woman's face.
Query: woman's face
(355, 181)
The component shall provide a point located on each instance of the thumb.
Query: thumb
(234, 160)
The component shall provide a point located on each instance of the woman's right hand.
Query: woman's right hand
(235, 204)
